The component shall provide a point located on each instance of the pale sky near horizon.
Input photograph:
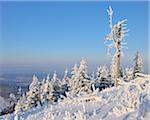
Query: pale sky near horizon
(48, 36)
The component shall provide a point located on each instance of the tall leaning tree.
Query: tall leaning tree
(115, 39)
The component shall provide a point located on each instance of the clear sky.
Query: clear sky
(47, 36)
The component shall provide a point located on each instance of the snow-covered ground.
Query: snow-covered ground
(129, 101)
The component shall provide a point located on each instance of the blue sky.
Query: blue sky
(46, 36)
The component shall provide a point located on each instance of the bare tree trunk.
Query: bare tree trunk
(118, 56)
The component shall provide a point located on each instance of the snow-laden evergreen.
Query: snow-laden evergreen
(102, 73)
(65, 78)
(138, 64)
(128, 74)
(21, 104)
(55, 80)
(33, 95)
(47, 89)
(79, 82)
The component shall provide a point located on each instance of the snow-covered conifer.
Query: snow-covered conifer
(102, 78)
(55, 80)
(102, 73)
(74, 71)
(48, 89)
(80, 83)
(12, 99)
(138, 64)
(128, 74)
(21, 104)
(33, 95)
(65, 78)
(19, 92)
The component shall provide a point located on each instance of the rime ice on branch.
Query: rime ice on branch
(116, 36)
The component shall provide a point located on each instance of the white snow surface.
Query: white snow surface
(129, 101)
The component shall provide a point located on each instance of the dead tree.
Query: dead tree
(116, 36)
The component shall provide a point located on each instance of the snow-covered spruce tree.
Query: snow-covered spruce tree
(65, 87)
(102, 73)
(116, 36)
(33, 95)
(74, 71)
(102, 78)
(10, 107)
(47, 92)
(56, 82)
(19, 92)
(80, 83)
(21, 104)
(65, 78)
(128, 74)
(12, 102)
(42, 94)
(138, 64)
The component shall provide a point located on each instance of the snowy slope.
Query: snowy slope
(129, 101)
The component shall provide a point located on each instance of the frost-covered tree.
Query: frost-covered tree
(57, 86)
(12, 101)
(47, 91)
(116, 36)
(66, 78)
(74, 71)
(102, 73)
(65, 87)
(55, 80)
(102, 78)
(19, 92)
(138, 64)
(128, 74)
(12, 98)
(33, 95)
(80, 83)
(21, 104)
